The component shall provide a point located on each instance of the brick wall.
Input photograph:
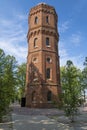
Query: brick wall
(37, 84)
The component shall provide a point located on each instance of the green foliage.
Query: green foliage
(21, 80)
(70, 81)
(85, 62)
(84, 78)
(7, 81)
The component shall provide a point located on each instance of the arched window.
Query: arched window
(36, 20)
(35, 42)
(48, 73)
(34, 96)
(49, 96)
(47, 41)
(47, 19)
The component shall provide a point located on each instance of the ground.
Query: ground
(43, 119)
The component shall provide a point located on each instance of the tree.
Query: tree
(84, 77)
(10, 76)
(2, 61)
(7, 81)
(21, 80)
(70, 81)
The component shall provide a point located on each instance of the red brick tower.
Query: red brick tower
(43, 73)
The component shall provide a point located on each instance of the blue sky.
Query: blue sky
(72, 26)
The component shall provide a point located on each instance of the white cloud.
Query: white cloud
(13, 37)
(64, 26)
(21, 16)
(20, 52)
(76, 39)
(77, 59)
(62, 51)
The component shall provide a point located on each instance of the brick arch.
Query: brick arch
(51, 33)
(38, 31)
(31, 34)
(34, 33)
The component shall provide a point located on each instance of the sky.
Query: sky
(72, 28)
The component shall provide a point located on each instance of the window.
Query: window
(47, 19)
(35, 42)
(36, 20)
(47, 41)
(49, 96)
(48, 73)
(48, 59)
(34, 59)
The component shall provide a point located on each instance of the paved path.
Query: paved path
(44, 119)
(21, 122)
(36, 119)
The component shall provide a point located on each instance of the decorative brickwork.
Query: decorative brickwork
(43, 70)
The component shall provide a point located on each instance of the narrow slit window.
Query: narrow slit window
(47, 19)
(48, 73)
(35, 42)
(47, 41)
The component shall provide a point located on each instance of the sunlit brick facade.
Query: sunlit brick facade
(43, 70)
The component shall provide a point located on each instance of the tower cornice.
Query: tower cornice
(51, 51)
(38, 31)
(44, 26)
(43, 8)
